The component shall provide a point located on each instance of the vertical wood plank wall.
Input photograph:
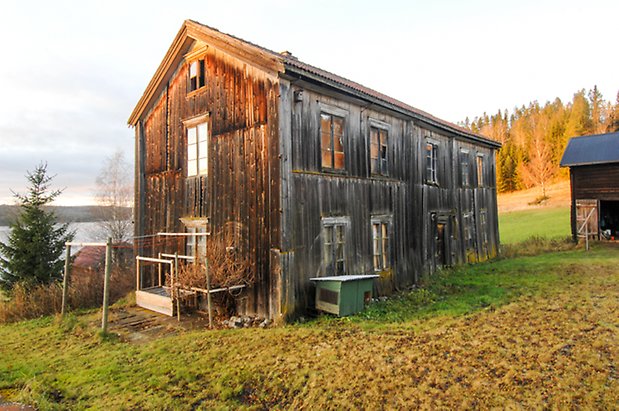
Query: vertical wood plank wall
(242, 103)
(265, 178)
(309, 194)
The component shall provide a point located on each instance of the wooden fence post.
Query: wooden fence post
(106, 281)
(208, 295)
(178, 287)
(65, 279)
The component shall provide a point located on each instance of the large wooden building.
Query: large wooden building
(594, 177)
(314, 174)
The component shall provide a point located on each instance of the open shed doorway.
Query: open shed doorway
(609, 220)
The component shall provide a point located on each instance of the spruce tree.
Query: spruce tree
(33, 252)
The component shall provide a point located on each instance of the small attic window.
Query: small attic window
(196, 75)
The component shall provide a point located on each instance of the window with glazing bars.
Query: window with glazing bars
(195, 246)
(197, 150)
(381, 244)
(431, 163)
(465, 168)
(332, 142)
(334, 245)
(480, 170)
(378, 150)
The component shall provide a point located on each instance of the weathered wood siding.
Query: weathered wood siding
(592, 182)
(310, 194)
(243, 170)
(599, 182)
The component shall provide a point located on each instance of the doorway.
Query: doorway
(609, 220)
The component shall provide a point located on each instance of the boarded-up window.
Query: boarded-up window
(334, 235)
(465, 169)
(197, 150)
(378, 150)
(480, 170)
(381, 244)
(196, 75)
(332, 142)
(431, 163)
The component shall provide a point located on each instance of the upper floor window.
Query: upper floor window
(480, 170)
(332, 141)
(465, 168)
(197, 147)
(378, 150)
(431, 162)
(334, 236)
(381, 243)
(196, 75)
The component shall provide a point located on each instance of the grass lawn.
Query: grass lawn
(517, 226)
(527, 332)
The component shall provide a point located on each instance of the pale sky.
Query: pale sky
(72, 71)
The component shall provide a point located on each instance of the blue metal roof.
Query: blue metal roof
(597, 149)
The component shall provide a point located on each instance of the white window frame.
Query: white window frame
(431, 173)
(381, 242)
(195, 245)
(197, 134)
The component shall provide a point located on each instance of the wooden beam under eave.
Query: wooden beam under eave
(164, 72)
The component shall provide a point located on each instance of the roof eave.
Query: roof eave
(173, 55)
(359, 94)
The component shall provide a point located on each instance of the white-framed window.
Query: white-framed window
(195, 246)
(381, 243)
(465, 168)
(197, 146)
(334, 234)
(431, 162)
(480, 170)
(379, 136)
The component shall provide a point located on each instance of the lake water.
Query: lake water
(84, 233)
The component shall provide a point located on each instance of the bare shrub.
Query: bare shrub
(228, 264)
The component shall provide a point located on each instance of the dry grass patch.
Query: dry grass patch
(552, 344)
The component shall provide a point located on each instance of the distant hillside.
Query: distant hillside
(66, 214)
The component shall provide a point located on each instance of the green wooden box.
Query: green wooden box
(343, 295)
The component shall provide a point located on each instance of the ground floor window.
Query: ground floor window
(468, 226)
(381, 243)
(334, 233)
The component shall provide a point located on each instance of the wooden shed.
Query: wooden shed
(315, 175)
(594, 179)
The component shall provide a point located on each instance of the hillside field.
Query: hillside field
(551, 223)
(527, 332)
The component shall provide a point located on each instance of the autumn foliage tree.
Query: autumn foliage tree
(534, 137)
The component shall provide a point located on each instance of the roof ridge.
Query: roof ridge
(299, 64)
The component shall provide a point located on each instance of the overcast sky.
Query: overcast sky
(72, 71)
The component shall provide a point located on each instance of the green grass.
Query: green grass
(517, 226)
(409, 351)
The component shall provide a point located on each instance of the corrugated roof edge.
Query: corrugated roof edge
(567, 161)
(293, 62)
